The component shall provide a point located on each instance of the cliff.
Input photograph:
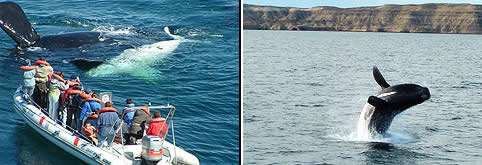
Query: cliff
(425, 18)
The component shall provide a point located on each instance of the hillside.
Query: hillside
(425, 18)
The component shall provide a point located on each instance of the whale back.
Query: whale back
(14, 22)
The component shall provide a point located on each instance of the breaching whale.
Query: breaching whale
(379, 111)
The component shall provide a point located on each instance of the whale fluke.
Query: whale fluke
(379, 78)
(14, 22)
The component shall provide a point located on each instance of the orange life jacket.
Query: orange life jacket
(38, 62)
(28, 67)
(90, 132)
(145, 110)
(93, 115)
(93, 99)
(55, 76)
(73, 82)
(108, 109)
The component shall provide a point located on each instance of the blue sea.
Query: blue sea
(198, 71)
(303, 93)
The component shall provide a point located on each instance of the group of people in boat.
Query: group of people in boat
(69, 104)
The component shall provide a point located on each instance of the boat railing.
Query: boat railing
(74, 131)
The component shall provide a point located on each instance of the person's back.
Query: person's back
(106, 123)
(89, 105)
(28, 78)
(157, 126)
(42, 71)
(128, 112)
(136, 130)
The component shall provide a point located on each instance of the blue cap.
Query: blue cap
(88, 90)
(73, 77)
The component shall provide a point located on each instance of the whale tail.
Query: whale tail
(14, 22)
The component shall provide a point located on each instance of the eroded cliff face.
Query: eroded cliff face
(426, 18)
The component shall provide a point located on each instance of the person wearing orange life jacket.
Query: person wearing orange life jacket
(57, 83)
(28, 78)
(157, 126)
(89, 130)
(73, 104)
(78, 103)
(89, 105)
(138, 124)
(106, 123)
(75, 80)
(42, 70)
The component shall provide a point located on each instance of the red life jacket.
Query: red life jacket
(157, 127)
(108, 109)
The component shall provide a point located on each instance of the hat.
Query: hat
(88, 90)
(73, 77)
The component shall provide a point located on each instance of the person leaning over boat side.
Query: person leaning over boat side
(89, 105)
(136, 130)
(41, 77)
(57, 83)
(106, 124)
(157, 126)
(28, 78)
(128, 112)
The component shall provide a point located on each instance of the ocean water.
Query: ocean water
(198, 71)
(303, 93)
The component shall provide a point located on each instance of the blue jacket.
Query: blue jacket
(128, 113)
(89, 107)
(104, 123)
(28, 78)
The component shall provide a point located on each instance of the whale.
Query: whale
(380, 110)
(15, 23)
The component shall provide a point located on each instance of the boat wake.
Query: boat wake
(138, 61)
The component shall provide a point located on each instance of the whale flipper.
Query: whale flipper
(14, 22)
(86, 64)
(379, 78)
(377, 102)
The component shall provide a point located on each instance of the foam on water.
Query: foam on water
(138, 61)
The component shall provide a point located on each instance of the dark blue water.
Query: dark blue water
(198, 72)
(304, 91)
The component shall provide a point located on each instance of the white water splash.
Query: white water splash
(363, 121)
(138, 61)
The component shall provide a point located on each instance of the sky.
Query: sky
(348, 3)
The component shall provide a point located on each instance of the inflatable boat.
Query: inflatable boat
(81, 147)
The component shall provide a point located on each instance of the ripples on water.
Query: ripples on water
(200, 75)
(304, 91)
